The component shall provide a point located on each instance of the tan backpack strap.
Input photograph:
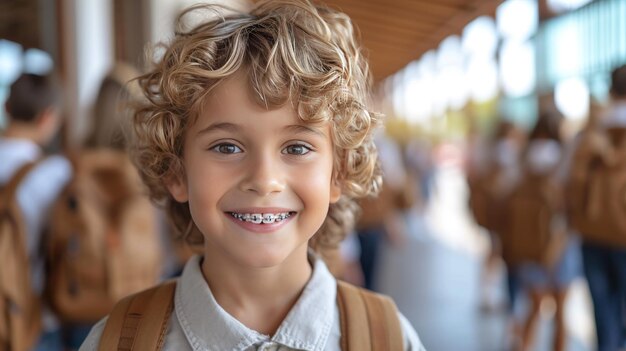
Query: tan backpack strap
(20, 322)
(10, 189)
(369, 321)
(156, 318)
(383, 321)
(352, 318)
(113, 327)
(139, 322)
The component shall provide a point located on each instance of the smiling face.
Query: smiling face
(258, 182)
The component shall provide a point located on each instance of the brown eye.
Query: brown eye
(297, 149)
(227, 149)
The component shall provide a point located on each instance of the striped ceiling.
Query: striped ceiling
(395, 32)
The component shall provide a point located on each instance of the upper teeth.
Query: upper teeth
(258, 218)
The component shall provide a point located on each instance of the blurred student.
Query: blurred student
(536, 241)
(33, 109)
(596, 191)
(108, 131)
(492, 172)
(379, 218)
(421, 167)
(103, 238)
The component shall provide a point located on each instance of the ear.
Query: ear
(178, 188)
(335, 190)
(48, 115)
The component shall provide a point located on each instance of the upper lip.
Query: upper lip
(261, 210)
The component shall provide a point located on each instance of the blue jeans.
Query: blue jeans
(50, 341)
(67, 337)
(74, 335)
(605, 269)
(567, 268)
(513, 286)
(370, 239)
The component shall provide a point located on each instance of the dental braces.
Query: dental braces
(258, 218)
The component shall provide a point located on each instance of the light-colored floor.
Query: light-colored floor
(435, 278)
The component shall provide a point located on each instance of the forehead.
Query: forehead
(232, 95)
(233, 100)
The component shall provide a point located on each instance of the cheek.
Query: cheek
(313, 185)
(207, 186)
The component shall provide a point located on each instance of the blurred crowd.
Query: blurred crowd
(78, 231)
(553, 206)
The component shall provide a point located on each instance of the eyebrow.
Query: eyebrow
(301, 128)
(231, 127)
(225, 126)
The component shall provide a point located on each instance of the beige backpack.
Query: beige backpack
(597, 189)
(103, 243)
(19, 305)
(486, 199)
(530, 212)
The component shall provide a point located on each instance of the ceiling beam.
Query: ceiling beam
(404, 7)
(406, 19)
(456, 23)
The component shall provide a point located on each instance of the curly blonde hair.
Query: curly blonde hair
(293, 52)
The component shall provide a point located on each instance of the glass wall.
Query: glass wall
(587, 43)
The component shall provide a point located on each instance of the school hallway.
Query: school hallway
(435, 279)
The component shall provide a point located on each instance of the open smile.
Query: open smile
(261, 222)
(261, 218)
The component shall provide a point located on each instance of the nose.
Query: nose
(263, 175)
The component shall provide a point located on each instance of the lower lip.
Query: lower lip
(260, 228)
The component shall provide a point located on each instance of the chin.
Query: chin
(265, 257)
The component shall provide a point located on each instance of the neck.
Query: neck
(19, 131)
(260, 298)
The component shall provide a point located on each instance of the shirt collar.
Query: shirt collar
(207, 326)
(308, 324)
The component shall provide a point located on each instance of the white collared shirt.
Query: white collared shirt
(199, 323)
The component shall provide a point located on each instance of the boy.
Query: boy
(33, 112)
(256, 139)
